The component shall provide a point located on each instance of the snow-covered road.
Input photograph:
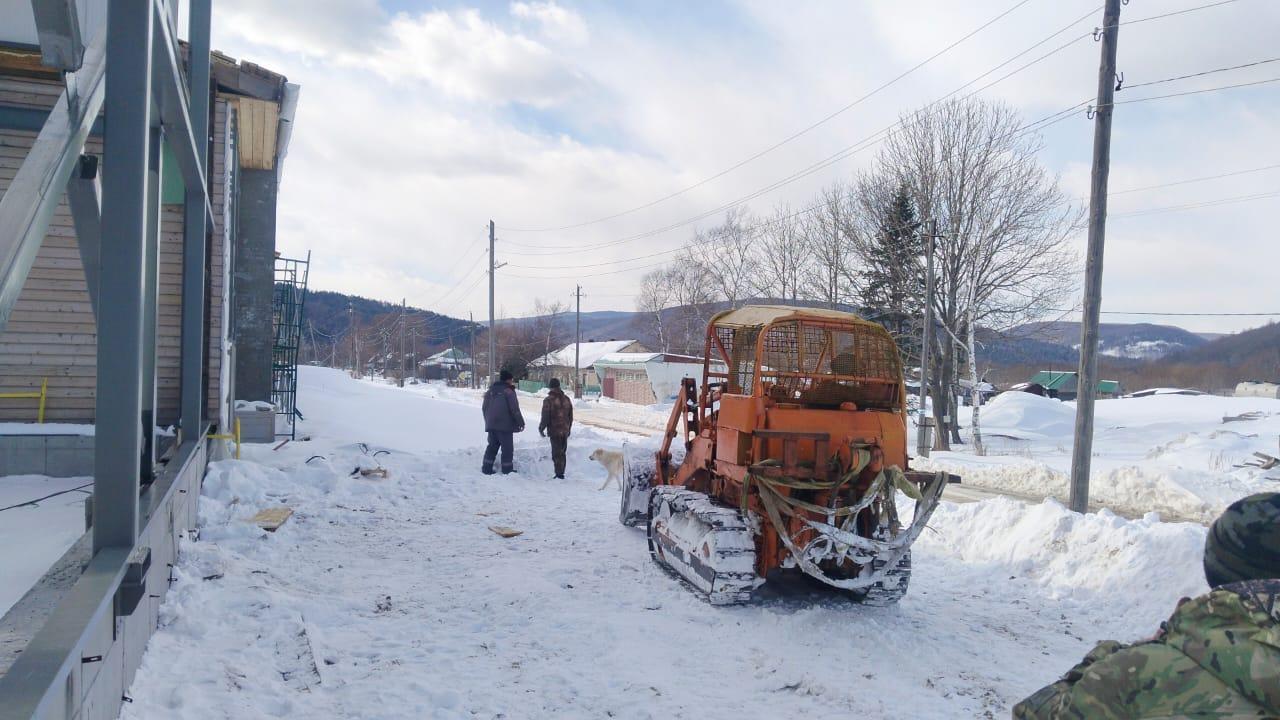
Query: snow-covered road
(392, 598)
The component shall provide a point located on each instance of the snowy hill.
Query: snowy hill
(1137, 341)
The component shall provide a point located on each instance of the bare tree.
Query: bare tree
(657, 290)
(725, 255)
(549, 330)
(1003, 257)
(826, 240)
(780, 255)
(694, 298)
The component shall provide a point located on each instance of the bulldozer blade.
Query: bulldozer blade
(635, 498)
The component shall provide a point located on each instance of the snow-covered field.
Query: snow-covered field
(391, 598)
(1173, 454)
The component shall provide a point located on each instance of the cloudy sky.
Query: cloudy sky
(420, 122)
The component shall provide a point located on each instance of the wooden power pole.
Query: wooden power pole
(471, 318)
(1082, 450)
(577, 343)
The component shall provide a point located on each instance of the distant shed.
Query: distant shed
(1064, 385)
(1256, 388)
(645, 378)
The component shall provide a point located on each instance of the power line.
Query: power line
(1195, 180)
(1200, 74)
(1178, 314)
(785, 140)
(1171, 14)
(1194, 206)
(845, 153)
(869, 140)
(1196, 92)
(770, 221)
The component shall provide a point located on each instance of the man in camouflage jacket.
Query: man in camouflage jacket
(1217, 656)
(557, 421)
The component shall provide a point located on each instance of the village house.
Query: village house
(560, 364)
(1064, 385)
(646, 378)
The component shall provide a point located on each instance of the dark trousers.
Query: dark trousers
(559, 446)
(504, 440)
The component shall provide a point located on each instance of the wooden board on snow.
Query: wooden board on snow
(272, 518)
(505, 531)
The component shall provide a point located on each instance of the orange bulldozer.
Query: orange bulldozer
(794, 455)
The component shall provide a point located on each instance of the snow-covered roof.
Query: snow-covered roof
(588, 353)
(640, 358)
(626, 358)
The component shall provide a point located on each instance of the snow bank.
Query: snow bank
(1133, 490)
(1023, 415)
(1134, 571)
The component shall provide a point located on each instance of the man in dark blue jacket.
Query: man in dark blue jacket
(502, 419)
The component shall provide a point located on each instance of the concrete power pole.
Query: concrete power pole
(404, 321)
(577, 344)
(1082, 451)
(923, 421)
(351, 328)
(493, 346)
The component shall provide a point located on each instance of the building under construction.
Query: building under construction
(138, 290)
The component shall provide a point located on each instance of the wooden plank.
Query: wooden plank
(271, 519)
(505, 531)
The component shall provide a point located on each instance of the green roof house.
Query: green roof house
(1064, 385)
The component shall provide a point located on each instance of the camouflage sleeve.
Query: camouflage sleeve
(1149, 679)
(546, 414)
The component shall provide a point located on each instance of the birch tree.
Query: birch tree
(780, 255)
(657, 290)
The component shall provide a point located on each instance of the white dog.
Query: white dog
(613, 461)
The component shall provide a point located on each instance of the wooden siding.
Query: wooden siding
(52, 332)
(258, 121)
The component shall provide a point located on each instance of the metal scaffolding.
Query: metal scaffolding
(287, 304)
(133, 71)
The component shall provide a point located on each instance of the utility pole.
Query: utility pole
(1082, 451)
(404, 320)
(923, 421)
(351, 328)
(471, 318)
(577, 344)
(493, 347)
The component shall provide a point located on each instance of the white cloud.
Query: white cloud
(302, 27)
(469, 57)
(415, 129)
(554, 21)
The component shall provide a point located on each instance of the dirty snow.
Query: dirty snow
(391, 598)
